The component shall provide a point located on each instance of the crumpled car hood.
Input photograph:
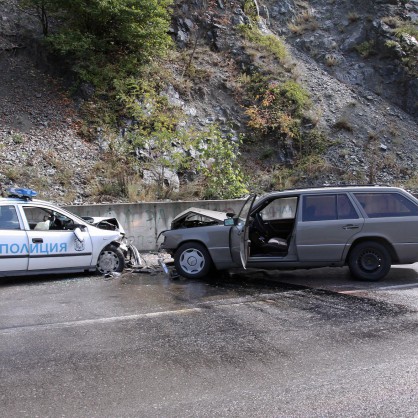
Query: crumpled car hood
(196, 217)
(220, 216)
(104, 222)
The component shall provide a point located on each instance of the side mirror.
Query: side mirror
(79, 226)
(78, 234)
(230, 222)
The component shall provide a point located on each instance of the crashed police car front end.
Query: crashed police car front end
(130, 252)
(37, 237)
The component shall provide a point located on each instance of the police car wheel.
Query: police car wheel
(111, 260)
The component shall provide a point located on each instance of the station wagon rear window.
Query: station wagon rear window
(379, 205)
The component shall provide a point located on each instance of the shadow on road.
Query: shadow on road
(338, 279)
(42, 279)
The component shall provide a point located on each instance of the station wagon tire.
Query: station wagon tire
(192, 260)
(369, 261)
(111, 260)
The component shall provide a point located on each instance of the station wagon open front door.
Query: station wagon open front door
(239, 234)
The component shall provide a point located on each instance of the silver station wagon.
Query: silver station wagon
(368, 228)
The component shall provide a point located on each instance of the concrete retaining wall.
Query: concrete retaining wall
(144, 221)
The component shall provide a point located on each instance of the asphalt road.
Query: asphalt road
(295, 344)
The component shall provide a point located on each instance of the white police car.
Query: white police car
(37, 237)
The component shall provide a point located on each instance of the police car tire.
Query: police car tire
(113, 252)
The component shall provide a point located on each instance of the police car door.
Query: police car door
(14, 249)
(52, 241)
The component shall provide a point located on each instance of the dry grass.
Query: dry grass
(353, 17)
(392, 21)
(331, 60)
(304, 22)
(343, 125)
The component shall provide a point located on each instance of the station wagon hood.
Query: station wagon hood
(199, 217)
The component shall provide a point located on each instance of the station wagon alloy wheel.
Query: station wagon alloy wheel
(192, 260)
(369, 261)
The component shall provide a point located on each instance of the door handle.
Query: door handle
(37, 240)
(351, 227)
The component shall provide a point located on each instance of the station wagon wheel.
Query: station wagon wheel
(369, 261)
(192, 260)
(110, 260)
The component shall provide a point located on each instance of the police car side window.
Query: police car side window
(41, 219)
(8, 217)
(38, 218)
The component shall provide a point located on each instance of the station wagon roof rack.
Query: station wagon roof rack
(329, 186)
(22, 193)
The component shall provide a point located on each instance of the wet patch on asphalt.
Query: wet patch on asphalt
(141, 294)
(337, 306)
(322, 305)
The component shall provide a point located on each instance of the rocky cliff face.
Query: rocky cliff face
(356, 43)
(364, 97)
(345, 53)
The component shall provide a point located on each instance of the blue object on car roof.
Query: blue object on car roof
(22, 193)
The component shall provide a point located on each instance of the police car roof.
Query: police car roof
(21, 200)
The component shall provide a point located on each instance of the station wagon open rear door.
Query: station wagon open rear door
(239, 234)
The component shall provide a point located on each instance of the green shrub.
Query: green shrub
(366, 48)
(313, 142)
(295, 97)
(223, 176)
(278, 110)
(140, 99)
(17, 138)
(269, 43)
(251, 9)
(410, 58)
(106, 39)
(407, 28)
(283, 178)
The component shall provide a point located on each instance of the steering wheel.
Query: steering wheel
(55, 222)
(259, 224)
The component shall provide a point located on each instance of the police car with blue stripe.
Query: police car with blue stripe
(37, 237)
